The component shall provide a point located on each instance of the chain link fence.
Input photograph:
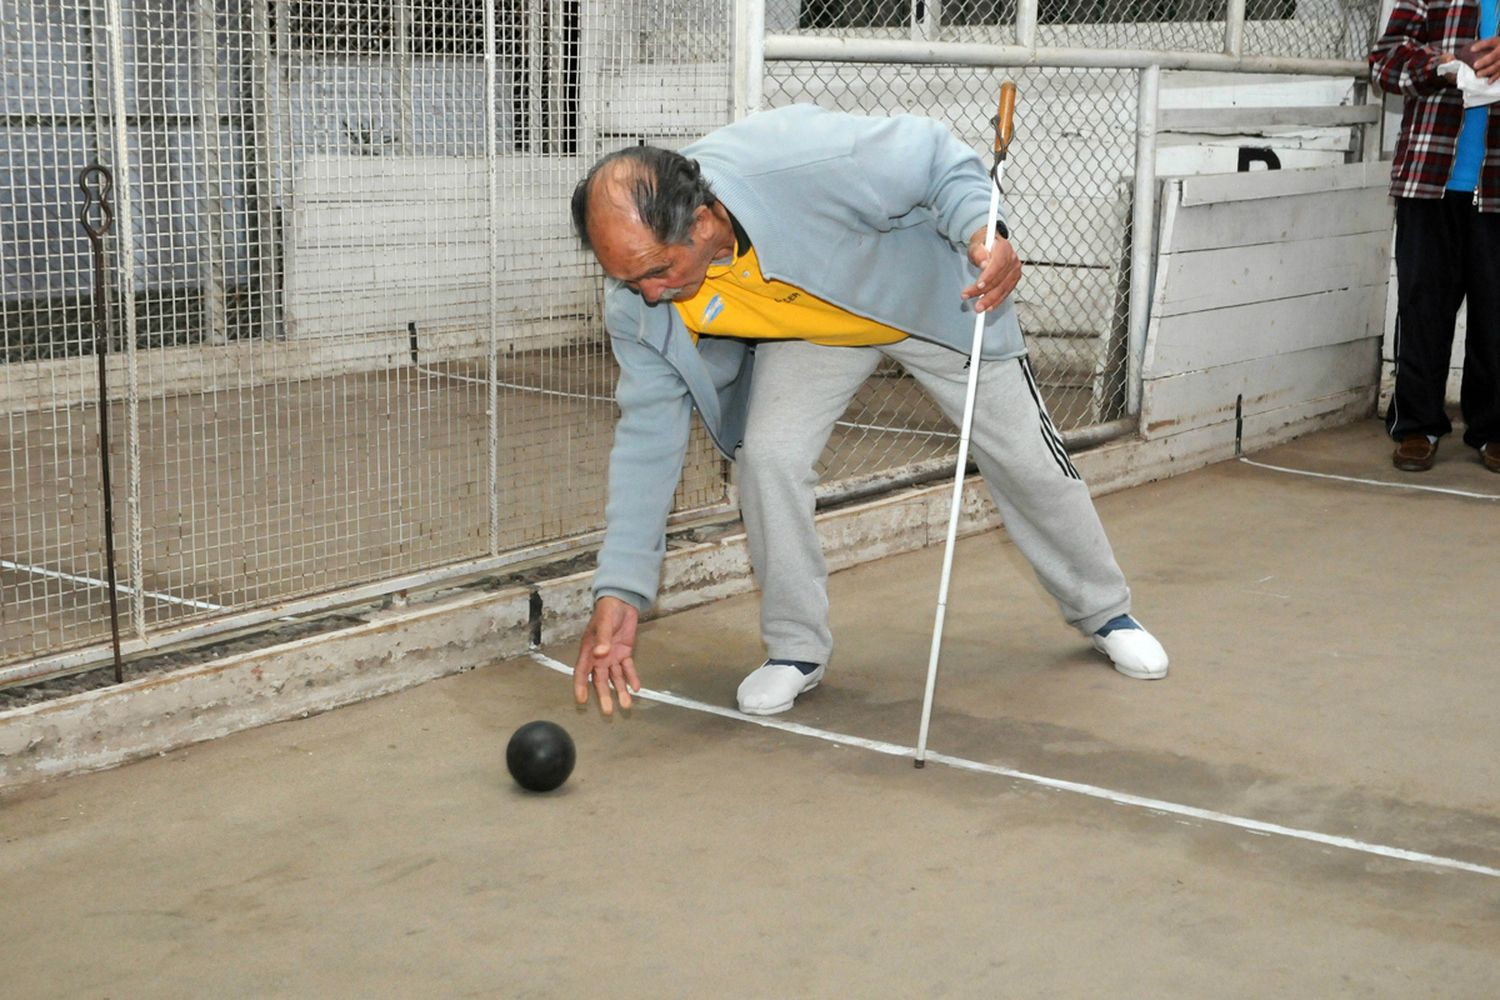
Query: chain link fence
(1325, 29)
(351, 344)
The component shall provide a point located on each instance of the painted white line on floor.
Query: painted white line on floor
(74, 578)
(512, 385)
(1078, 788)
(1372, 482)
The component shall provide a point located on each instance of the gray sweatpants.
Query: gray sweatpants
(801, 389)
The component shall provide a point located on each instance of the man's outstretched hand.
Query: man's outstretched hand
(606, 655)
(999, 271)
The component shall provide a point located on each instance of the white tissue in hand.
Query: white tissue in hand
(1477, 90)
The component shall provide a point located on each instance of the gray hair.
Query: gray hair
(666, 188)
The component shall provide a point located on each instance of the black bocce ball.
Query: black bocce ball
(540, 756)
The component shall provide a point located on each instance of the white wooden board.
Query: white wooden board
(1202, 340)
(1261, 184)
(664, 99)
(375, 243)
(1290, 218)
(1213, 279)
(1270, 288)
(1176, 403)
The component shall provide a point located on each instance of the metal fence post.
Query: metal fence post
(258, 105)
(926, 18)
(211, 280)
(125, 255)
(1234, 27)
(401, 49)
(749, 55)
(492, 364)
(1143, 231)
(1026, 23)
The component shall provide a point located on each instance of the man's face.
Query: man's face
(658, 272)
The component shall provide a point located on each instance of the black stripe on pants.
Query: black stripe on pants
(1446, 251)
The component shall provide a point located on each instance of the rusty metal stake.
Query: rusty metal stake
(96, 217)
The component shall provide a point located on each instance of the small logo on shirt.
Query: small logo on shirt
(713, 309)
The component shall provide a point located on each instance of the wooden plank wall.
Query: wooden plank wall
(1270, 290)
(376, 242)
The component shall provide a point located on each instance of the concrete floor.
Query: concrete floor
(1333, 670)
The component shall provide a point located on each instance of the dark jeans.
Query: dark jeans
(1446, 251)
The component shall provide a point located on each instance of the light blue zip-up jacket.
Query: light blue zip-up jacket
(870, 214)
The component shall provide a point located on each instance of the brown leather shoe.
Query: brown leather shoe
(1415, 454)
(1490, 456)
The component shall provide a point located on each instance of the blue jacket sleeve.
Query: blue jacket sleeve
(645, 464)
(909, 162)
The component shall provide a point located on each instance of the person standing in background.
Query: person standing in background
(1445, 179)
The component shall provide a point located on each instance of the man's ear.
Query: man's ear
(703, 220)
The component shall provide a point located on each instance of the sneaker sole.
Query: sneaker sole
(1140, 675)
(778, 709)
(1132, 672)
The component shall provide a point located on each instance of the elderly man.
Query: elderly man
(800, 246)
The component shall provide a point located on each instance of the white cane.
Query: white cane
(1003, 132)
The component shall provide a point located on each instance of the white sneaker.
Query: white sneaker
(1135, 653)
(773, 687)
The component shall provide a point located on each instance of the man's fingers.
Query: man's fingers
(604, 656)
(995, 287)
(581, 671)
(622, 680)
(601, 685)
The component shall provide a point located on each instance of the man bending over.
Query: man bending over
(759, 278)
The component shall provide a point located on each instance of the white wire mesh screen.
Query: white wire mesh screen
(353, 336)
(50, 509)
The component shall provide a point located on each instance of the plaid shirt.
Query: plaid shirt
(1405, 61)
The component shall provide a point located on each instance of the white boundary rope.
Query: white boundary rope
(1078, 788)
(880, 428)
(1371, 482)
(434, 373)
(94, 582)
